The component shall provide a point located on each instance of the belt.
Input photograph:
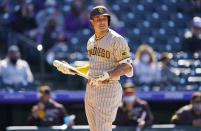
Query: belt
(102, 82)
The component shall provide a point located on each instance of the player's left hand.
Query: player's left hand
(103, 77)
(100, 78)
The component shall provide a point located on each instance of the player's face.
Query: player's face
(44, 97)
(100, 23)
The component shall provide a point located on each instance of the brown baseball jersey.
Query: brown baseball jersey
(103, 100)
(54, 115)
(130, 117)
(185, 116)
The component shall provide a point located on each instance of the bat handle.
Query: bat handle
(57, 63)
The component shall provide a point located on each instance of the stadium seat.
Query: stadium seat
(162, 8)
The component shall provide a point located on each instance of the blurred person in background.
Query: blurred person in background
(49, 20)
(23, 19)
(59, 49)
(4, 12)
(192, 38)
(168, 78)
(134, 111)
(49, 36)
(77, 18)
(146, 66)
(15, 72)
(47, 112)
(50, 12)
(189, 114)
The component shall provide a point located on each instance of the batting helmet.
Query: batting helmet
(98, 11)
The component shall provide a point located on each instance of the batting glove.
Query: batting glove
(100, 78)
(93, 82)
(103, 77)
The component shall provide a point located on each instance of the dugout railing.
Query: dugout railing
(164, 127)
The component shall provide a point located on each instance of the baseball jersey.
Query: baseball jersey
(54, 115)
(185, 116)
(126, 117)
(106, 53)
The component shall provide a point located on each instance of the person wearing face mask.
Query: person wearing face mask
(192, 38)
(15, 71)
(146, 66)
(50, 12)
(59, 49)
(77, 18)
(134, 111)
(48, 112)
(189, 114)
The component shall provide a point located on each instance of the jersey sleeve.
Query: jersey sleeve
(121, 49)
(122, 53)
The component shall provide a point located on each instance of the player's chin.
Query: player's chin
(103, 28)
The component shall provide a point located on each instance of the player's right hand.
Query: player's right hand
(65, 70)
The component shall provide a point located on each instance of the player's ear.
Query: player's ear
(91, 22)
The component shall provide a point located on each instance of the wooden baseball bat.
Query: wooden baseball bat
(58, 63)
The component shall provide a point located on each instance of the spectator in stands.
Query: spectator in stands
(77, 18)
(24, 19)
(59, 50)
(134, 111)
(15, 72)
(146, 66)
(168, 78)
(47, 112)
(189, 114)
(192, 39)
(4, 10)
(49, 36)
(50, 12)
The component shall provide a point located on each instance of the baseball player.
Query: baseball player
(109, 58)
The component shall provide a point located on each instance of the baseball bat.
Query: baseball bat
(142, 118)
(58, 63)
